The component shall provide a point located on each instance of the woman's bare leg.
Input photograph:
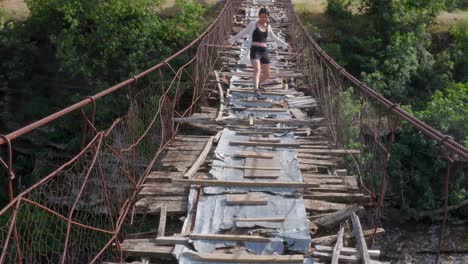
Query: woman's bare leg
(265, 73)
(256, 73)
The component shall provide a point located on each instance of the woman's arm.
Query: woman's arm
(276, 39)
(248, 29)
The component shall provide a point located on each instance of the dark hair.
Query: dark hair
(263, 10)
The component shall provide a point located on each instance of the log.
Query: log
(333, 219)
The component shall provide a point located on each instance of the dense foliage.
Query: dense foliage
(390, 46)
(68, 49)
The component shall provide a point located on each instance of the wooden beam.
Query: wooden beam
(242, 238)
(200, 159)
(360, 239)
(245, 183)
(162, 220)
(247, 258)
(338, 246)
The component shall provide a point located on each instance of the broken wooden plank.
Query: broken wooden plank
(162, 220)
(338, 246)
(298, 114)
(328, 240)
(220, 183)
(361, 241)
(227, 237)
(200, 159)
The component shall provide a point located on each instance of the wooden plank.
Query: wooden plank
(264, 144)
(246, 199)
(252, 154)
(154, 204)
(247, 258)
(338, 246)
(200, 159)
(260, 219)
(226, 237)
(245, 183)
(322, 206)
(297, 113)
(360, 239)
(145, 248)
(162, 220)
(347, 250)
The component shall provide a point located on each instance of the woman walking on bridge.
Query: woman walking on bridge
(258, 32)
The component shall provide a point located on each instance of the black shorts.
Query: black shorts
(259, 53)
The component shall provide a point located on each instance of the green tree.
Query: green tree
(447, 111)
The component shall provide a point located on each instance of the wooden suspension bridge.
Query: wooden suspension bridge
(230, 178)
(263, 172)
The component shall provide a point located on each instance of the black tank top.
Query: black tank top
(259, 36)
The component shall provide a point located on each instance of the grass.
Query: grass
(310, 6)
(15, 9)
(446, 20)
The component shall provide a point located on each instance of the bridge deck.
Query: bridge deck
(262, 182)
